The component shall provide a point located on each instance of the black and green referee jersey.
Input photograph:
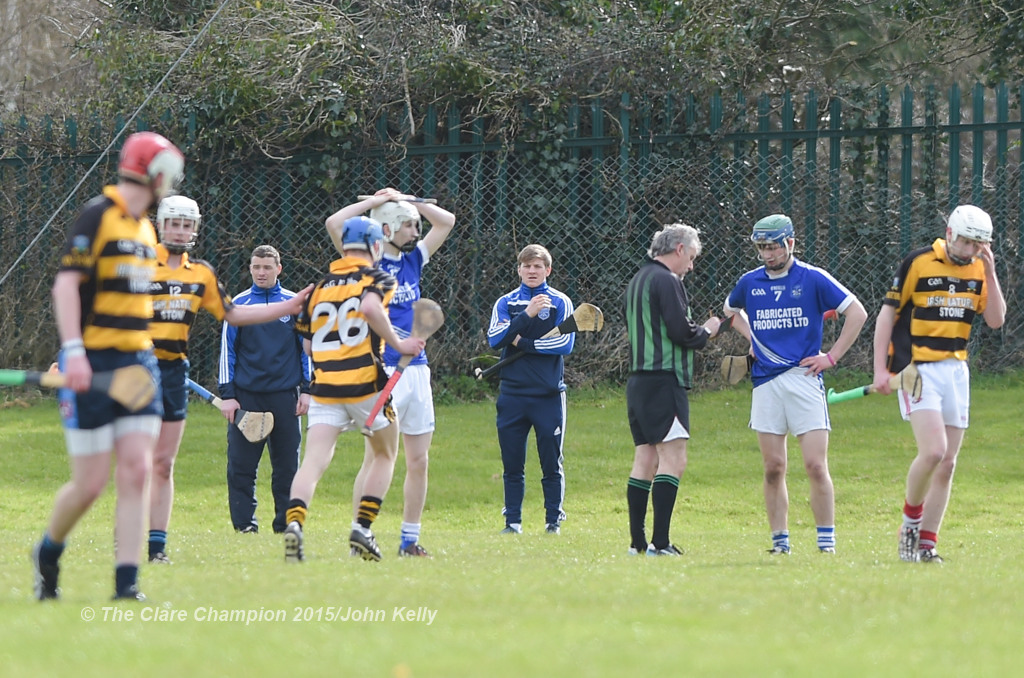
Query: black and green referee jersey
(662, 336)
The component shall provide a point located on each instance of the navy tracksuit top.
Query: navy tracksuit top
(540, 372)
(263, 358)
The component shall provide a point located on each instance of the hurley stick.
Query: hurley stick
(131, 386)
(254, 426)
(908, 380)
(586, 318)
(427, 317)
(428, 201)
(735, 367)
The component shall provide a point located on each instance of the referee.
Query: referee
(662, 339)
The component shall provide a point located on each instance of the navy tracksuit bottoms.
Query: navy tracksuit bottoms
(517, 414)
(244, 457)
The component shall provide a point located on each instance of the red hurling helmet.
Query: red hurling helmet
(151, 160)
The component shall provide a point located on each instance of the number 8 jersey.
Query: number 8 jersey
(346, 353)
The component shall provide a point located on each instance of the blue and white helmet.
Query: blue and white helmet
(777, 228)
(363, 233)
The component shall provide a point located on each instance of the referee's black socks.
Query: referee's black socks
(637, 493)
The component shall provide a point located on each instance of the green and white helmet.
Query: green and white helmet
(775, 228)
(778, 229)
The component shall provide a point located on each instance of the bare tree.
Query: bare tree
(36, 47)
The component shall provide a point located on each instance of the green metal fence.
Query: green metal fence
(865, 178)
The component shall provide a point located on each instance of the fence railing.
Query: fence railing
(865, 178)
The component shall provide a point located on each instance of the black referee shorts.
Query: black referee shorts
(653, 401)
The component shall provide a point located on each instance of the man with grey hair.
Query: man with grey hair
(662, 339)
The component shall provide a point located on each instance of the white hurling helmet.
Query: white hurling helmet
(178, 207)
(394, 214)
(968, 221)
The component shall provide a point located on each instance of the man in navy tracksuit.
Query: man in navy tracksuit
(263, 369)
(531, 393)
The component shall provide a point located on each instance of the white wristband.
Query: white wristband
(73, 348)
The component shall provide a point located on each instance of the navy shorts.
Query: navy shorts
(654, 400)
(173, 385)
(91, 410)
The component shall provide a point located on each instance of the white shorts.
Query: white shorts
(349, 416)
(792, 402)
(84, 442)
(945, 388)
(413, 399)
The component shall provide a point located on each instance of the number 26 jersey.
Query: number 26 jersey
(346, 353)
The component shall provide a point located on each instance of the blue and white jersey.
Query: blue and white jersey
(540, 371)
(264, 358)
(786, 314)
(407, 268)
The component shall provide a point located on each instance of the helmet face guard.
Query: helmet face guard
(778, 229)
(178, 207)
(970, 222)
(152, 161)
(394, 214)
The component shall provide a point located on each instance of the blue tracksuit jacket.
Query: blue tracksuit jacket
(540, 371)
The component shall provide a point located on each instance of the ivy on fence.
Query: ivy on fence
(864, 180)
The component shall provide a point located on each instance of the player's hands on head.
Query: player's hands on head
(391, 194)
(986, 256)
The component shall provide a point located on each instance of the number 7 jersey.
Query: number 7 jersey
(785, 314)
(346, 353)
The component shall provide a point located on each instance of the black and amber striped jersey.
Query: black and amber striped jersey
(116, 254)
(935, 301)
(346, 353)
(178, 294)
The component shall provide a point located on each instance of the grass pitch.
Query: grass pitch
(537, 604)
